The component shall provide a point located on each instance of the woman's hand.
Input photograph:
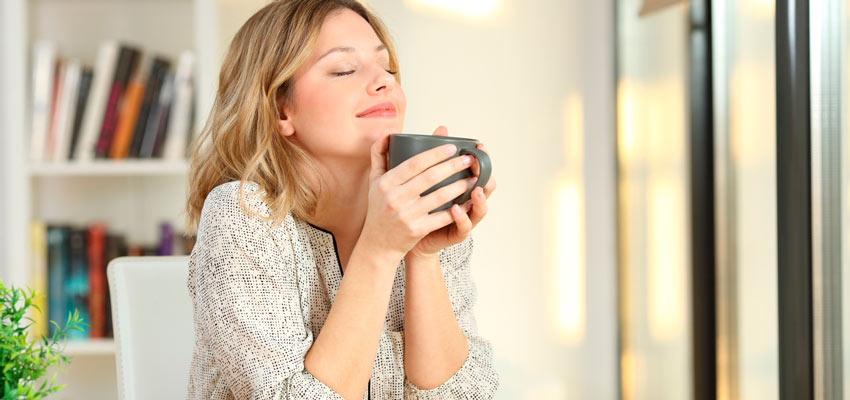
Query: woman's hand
(464, 220)
(398, 217)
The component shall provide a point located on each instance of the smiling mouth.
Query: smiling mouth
(383, 110)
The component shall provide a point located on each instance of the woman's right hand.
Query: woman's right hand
(398, 217)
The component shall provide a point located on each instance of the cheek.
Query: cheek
(326, 107)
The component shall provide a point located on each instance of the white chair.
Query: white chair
(153, 326)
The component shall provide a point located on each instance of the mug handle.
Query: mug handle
(483, 172)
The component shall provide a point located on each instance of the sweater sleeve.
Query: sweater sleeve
(247, 305)
(477, 378)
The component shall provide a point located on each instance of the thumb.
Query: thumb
(379, 157)
(441, 131)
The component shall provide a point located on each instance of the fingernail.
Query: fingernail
(450, 149)
(467, 160)
(472, 180)
(455, 208)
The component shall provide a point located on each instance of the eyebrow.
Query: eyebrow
(346, 49)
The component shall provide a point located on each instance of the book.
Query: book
(38, 257)
(57, 259)
(77, 281)
(152, 88)
(102, 78)
(128, 57)
(44, 60)
(155, 135)
(53, 127)
(132, 104)
(166, 239)
(66, 107)
(97, 280)
(79, 111)
(180, 120)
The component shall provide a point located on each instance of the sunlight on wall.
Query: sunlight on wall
(569, 239)
(666, 259)
(630, 370)
(466, 8)
(759, 8)
(569, 263)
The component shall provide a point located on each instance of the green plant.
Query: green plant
(23, 362)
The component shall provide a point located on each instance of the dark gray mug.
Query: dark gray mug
(406, 145)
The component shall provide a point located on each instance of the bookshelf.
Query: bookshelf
(131, 196)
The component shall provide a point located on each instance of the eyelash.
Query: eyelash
(351, 72)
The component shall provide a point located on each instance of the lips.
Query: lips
(377, 111)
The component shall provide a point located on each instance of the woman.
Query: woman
(289, 191)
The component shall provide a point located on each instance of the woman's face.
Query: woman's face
(346, 75)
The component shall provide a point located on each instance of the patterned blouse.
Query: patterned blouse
(261, 295)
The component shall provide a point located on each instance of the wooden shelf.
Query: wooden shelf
(109, 168)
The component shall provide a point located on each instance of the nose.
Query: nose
(383, 81)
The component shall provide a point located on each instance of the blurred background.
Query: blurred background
(673, 212)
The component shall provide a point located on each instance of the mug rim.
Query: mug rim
(419, 135)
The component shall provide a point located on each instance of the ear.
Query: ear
(285, 123)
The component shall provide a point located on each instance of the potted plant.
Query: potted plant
(24, 362)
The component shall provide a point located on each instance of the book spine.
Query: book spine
(38, 238)
(77, 284)
(152, 88)
(58, 84)
(165, 105)
(57, 244)
(132, 106)
(102, 78)
(82, 97)
(97, 280)
(42, 84)
(178, 136)
(126, 63)
(66, 109)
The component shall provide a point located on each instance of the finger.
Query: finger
(479, 206)
(464, 224)
(441, 131)
(489, 187)
(438, 220)
(437, 174)
(379, 157)
(414, 166)
(442, 196)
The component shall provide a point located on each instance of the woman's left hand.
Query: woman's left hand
(465, 217)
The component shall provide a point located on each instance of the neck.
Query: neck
(342, 206)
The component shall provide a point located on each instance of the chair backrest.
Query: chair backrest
(152, 324)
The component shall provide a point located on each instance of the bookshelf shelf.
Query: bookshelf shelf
(90, 347)
(110, 168)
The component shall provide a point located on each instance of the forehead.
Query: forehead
(345, 27)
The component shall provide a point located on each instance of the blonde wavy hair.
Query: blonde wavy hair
(241, 139)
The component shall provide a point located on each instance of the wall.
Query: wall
(533, 81)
